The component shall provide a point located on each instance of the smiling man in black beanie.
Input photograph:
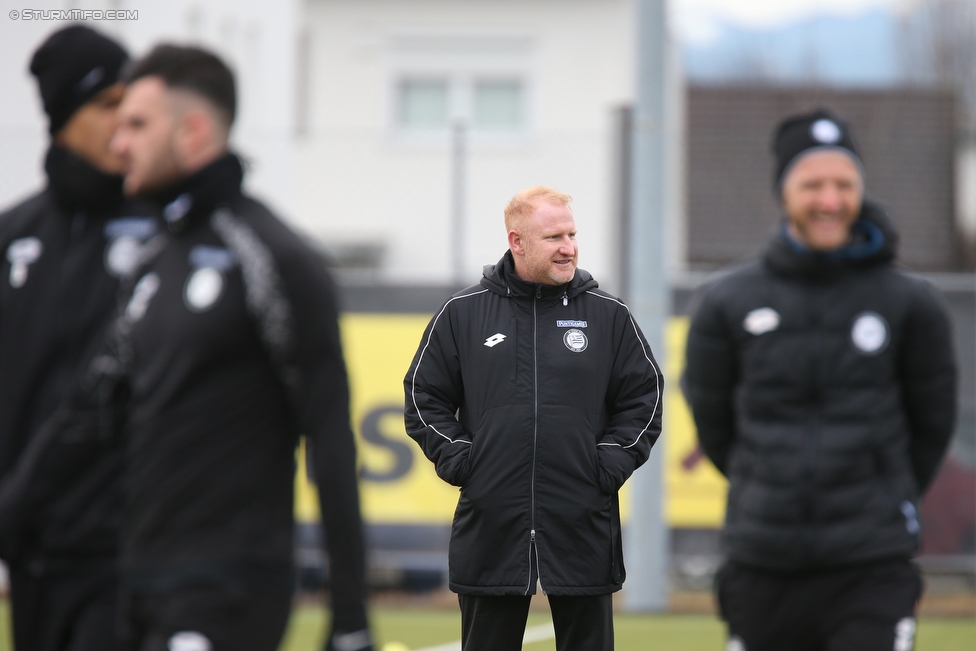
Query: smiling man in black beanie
(823, 385)
(64, 250)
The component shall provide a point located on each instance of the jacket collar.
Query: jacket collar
(874, 243)
(194, 198)
(502, 279)
(77, 185)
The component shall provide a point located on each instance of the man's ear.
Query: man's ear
(515, 243)
(193, 133)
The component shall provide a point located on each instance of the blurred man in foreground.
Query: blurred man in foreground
(230, 348)
(537, 394)
(823, 385)
(64, 250)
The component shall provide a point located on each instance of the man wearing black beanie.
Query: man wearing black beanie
(823, 384)
(64, 251)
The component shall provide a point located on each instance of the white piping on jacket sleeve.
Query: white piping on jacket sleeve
(413, 380)
(657, 371)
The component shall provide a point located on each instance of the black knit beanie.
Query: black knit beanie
(800, 134)
(73, 66)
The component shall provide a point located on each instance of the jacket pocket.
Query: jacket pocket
(566, 449)
(501, 451)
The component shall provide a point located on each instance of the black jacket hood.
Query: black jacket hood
(502, 279)
(875, 243)
(195, 197)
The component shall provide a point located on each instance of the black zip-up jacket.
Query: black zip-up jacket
(225, 350)
(558, 400)
(824, 388)
(64, 250)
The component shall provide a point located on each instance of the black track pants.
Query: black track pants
(498, 623)
(71, 608)
(867, 607)
(214, 616)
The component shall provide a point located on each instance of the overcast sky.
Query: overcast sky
(697, 21)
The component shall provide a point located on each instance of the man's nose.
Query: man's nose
(117, 144)
(830, 198)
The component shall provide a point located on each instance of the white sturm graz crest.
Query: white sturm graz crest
(21, 254)
(870, 333)
(122, 256)
(575, 340)
(203, 288)
(205, 285)
(127, 237)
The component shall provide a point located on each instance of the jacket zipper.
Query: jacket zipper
(535, 435)
(79, 223)
(811, 439)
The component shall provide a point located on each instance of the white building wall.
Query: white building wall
(362, 182)
(317, 81)
(23, 131)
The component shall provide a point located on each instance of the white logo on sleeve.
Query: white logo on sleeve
(905, 634)
(575, 340)
(189, 641)
(869, 334)
(144, 290)
(21, 254)
(494, 340)
(761, 321)
(826, 131)
(911, 517)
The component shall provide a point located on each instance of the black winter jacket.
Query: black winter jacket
(824, 387)
(539, 402)
(64, 250)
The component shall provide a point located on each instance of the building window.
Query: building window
(424, 104)
(498, 105)
(491, 106)
(480, 79)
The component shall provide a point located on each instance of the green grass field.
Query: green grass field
(419, 628)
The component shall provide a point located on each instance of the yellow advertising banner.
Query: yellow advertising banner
(695, 490)
(399, 486)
